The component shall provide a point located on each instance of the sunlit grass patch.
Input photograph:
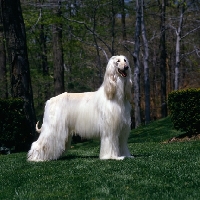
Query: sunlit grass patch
(158, 171)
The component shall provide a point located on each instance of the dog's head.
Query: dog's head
(118, 67)
(121, 65)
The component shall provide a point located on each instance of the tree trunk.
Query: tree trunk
(178, 41)
(14, 29)
(58, 52)
(43, 47)
(154, 85)
(123, 19)
(113, 29)
(99, 66)
(137, 66)
(163, 61)
(146, 67)
(3, 78)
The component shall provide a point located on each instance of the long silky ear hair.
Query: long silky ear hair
(109, 79)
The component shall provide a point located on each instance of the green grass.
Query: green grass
(158, 171)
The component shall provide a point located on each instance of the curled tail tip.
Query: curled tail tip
(36, 127)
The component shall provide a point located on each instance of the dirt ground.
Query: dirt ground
(184, 137)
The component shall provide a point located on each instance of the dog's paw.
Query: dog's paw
(112, 157)
(119, 158)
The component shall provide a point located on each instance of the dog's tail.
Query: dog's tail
(37, 129)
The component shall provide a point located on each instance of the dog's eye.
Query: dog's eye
(124, 60)
(118, 60)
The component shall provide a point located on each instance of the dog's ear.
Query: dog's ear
(110, 79)
(109, 86)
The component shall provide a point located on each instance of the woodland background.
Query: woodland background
(69, 43)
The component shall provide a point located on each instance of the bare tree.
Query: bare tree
(137, 65)
(178, 41)
(15, 35)
(163, 59)
(183, 7)
(58, 50)
(43, 47)
(3, 78)
(146, 66)
(99, 65)
(113, 32)
(123, 19)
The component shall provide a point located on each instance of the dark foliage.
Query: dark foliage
(14, 128)
(185, 110)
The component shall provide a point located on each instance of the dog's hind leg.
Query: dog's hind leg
(68, 142)
(50, 144)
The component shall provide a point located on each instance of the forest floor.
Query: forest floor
(185, 137)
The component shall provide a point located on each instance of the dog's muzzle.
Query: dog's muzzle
(123, 72)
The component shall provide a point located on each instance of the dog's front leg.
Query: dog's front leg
(110, 148)
(123, 142)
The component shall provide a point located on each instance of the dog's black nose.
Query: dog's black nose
(126, 67)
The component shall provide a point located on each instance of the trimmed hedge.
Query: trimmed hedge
(184, 106)
(14, 129)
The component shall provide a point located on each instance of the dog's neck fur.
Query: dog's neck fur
(120, 92)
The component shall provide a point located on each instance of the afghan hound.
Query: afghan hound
(103, 114)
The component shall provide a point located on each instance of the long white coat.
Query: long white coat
(103, 114)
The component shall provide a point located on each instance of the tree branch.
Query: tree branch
(187, 54)
(40, 16)
(190, 32)
(89, 29)
(80, 40)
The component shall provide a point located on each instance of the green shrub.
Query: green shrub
(184, 106)
(14, 129)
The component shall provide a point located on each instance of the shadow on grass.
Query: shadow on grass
(72, 157)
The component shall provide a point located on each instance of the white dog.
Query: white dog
(103, 114)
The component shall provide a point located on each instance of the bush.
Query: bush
(184, 106)
(14, 129)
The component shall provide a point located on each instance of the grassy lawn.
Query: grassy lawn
(158, 171)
